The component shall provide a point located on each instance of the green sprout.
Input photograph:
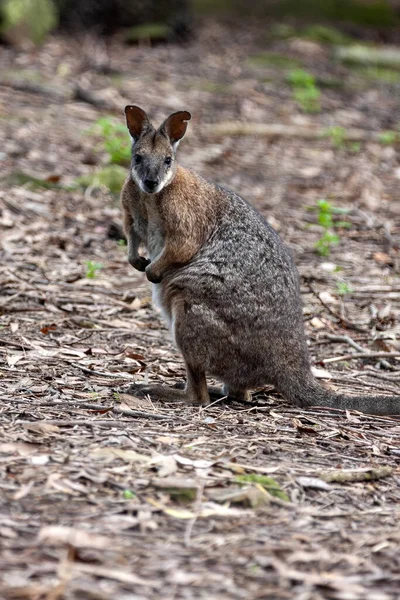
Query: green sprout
(325, 217)
(92, 268)
(115, 139)
(268, 483)
(337, 135)
(305, 91)
(343, 288)
(388, 138)
(128, 495)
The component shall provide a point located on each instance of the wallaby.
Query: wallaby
(222, 277)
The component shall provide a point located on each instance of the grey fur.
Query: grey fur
(244, 320)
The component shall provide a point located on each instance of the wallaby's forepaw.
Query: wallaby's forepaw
(139, 263)
(152, 275)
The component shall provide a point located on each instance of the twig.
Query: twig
(66, 405)
(86, 95)
(197, 510)
(361, 355)
(343, 476)
(373, 373)
(341, 319)
(345, 339)
(139, 413)
(75, 422)
(79, 93)
(288, 131)
(34, 88)
(101, 373)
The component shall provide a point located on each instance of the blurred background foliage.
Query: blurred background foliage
(169, 20)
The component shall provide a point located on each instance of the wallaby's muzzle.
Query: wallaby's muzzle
(150, 185)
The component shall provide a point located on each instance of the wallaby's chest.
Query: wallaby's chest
(155, 229)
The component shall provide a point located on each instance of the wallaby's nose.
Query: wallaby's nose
(151, 184)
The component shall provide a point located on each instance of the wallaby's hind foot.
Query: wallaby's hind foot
(195, 392)
(165, 393)
(216, 392)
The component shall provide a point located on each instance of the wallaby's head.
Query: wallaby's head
(154, 150)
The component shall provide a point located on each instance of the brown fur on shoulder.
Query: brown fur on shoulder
(188, 212)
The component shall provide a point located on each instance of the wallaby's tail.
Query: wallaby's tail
(309, 392)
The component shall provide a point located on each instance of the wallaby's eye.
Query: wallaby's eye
(138, 159)
(168, 161)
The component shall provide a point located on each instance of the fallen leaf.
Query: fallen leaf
(21, 448)
(46, 330)
(40, 460)
(317, 323)
(13, 359)
(114, 453)
(57, 535)
(115, 574)
(313, 482)
(180, 488)
(382, 258)
(304, 428)
(132, 354)
(42, 427)
(208, 509)
(166, 465)
(251, 495)
(321, 373)
(24, 490)
(134, 403)
(196, 463)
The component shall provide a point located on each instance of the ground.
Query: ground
(105, 495)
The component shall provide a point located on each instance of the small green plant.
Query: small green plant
(388, 138)
(254, 569)
(128, 495)
(325, 213)
(324, 245)
(374, 73)
(111, 177)
(343, 288)
(92, 268)
(337, 136)
(268, 483)
(273, 60)
(122, 243)
(33, 19)
(148, 32)
(325, 35)
(354, 147)
(305, 91)
(115, 140)
(281, 31)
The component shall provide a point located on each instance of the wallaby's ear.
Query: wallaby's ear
(174, 127)
(136, 120)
